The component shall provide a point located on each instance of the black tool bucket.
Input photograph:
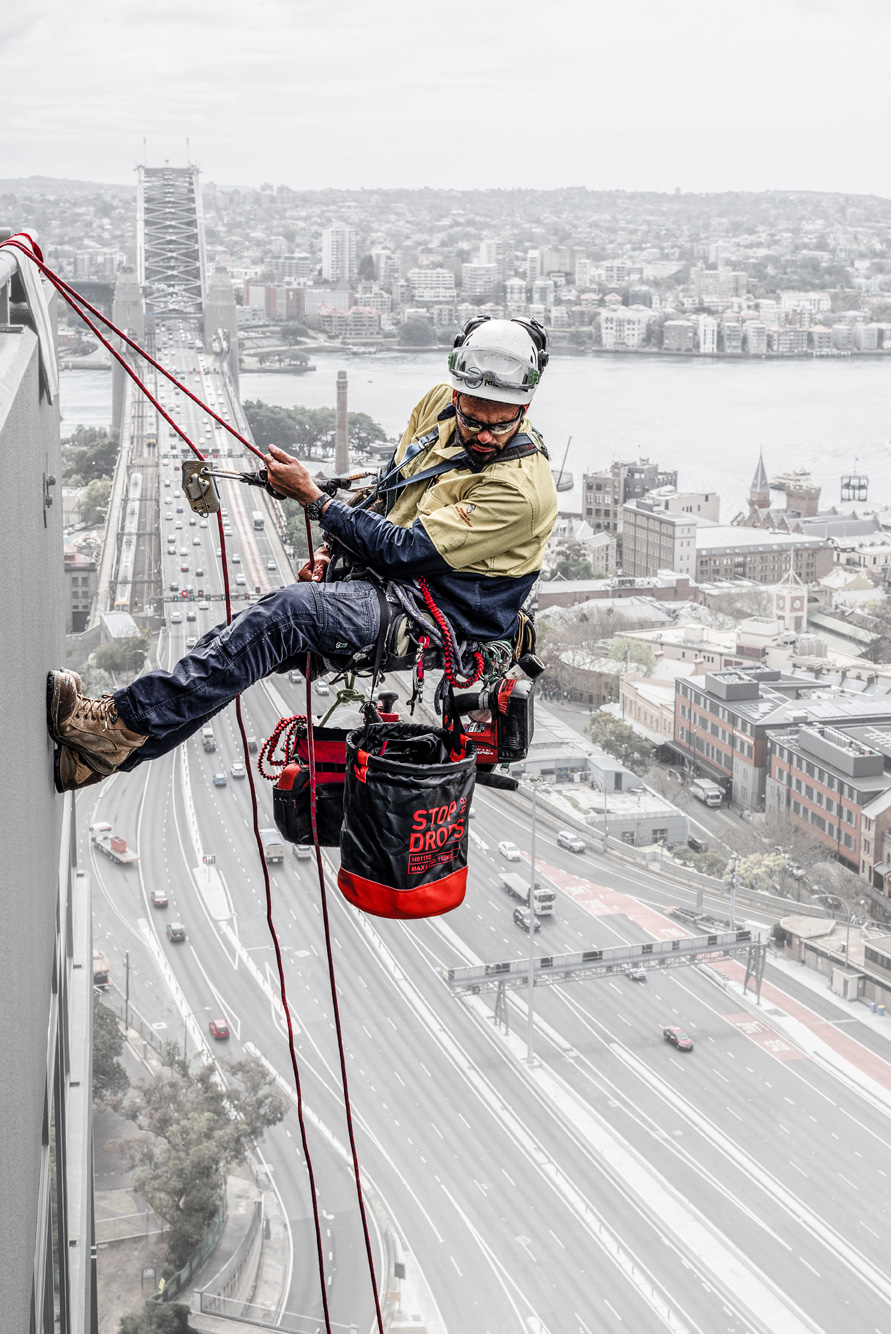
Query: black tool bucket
(403, 845)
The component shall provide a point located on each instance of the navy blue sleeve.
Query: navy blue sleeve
(404, 553)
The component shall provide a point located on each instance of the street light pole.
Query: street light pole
(530, 1032)
(126, 990)
(734, 863)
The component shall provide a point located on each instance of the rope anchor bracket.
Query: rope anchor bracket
(199, 487)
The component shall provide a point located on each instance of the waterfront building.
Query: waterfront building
(715, 286)
(624, 327)
(703, 504)
(842, 338)
(543, 292)
(293, 268)
(386, 267)
(731, 337)
(786, 342)
(866, 337)
(678, 336)
(755, 334)
(708, 335)
(820, 339)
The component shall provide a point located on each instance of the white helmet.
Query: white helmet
(501, 360)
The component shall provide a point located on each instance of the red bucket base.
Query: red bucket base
(383, 901)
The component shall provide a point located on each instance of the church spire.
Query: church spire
(759, 492)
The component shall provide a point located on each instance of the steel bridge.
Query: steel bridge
(170, 241)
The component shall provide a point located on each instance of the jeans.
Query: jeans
(273, 635)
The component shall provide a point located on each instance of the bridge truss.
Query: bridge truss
(170, 241)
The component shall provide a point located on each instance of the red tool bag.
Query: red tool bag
(403, 845)
(291, 797)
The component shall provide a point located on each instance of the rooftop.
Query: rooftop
(721, 536)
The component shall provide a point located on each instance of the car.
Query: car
(509, 851)
(176, 618)
(178, 524)
(227, 531)
(193, 522)
(184, 551)
(166, 481)
(697, 844)
(237, 770)
(203, 523)
(196, 541)
(219, 1029)
(191, 614)
(521, 918)
(202, 606)
(636, 974)
(219, 551)
(169, 518)
(678, 1038)
(184, 568)
(224, 512)
(159, 898)
(174, 585)
(567, 839)
(235, 558)
(271, 565)
(253, 745)
(179, 509)
(191, 641)
(219, 780)
(199, 571)
(240, 580)
(295, 677)
(176, 931)
(322, 688)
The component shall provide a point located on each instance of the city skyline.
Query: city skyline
(347, 100)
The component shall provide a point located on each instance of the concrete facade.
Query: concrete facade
(45, 944)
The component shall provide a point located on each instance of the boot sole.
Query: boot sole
(53, 688)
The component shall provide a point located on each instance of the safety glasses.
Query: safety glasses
(497, 428)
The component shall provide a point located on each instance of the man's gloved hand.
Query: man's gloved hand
(314, 573)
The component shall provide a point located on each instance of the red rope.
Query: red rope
(76, 302)
(288, 732)
(448, 645)
(311, 755)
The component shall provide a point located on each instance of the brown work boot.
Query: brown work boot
(92, 727)
(71, 773)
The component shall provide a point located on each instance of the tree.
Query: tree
(762, 871)
(621, 740)
(110, 1079)
(94, 501)
(293, 331)
(120, 655)
(157, 1318)
(193, 1130)
(96, 681)
(366, 269)
(416, 333)
(572, 567)
(363, 430)
(633, 651)
(91, 452)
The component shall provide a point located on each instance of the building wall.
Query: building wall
(37, 1058)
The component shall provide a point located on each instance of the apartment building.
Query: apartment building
(605, 493)
(624, 327)
(827, 778)
(731, 551)
(724, 719)
(656, 539)
(431, 284)
(678, 336)
(338, 254)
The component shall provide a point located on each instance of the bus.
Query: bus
(258, 521)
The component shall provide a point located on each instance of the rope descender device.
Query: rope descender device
(200, 490)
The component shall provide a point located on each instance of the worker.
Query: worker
(475, 531)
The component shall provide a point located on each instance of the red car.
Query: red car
(219, 1029)
(159, 898)
(678, 1038)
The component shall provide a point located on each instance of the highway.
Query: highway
(617, 1184)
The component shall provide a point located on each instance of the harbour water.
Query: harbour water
(706, 418)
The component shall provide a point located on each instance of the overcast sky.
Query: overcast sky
(635, 94)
